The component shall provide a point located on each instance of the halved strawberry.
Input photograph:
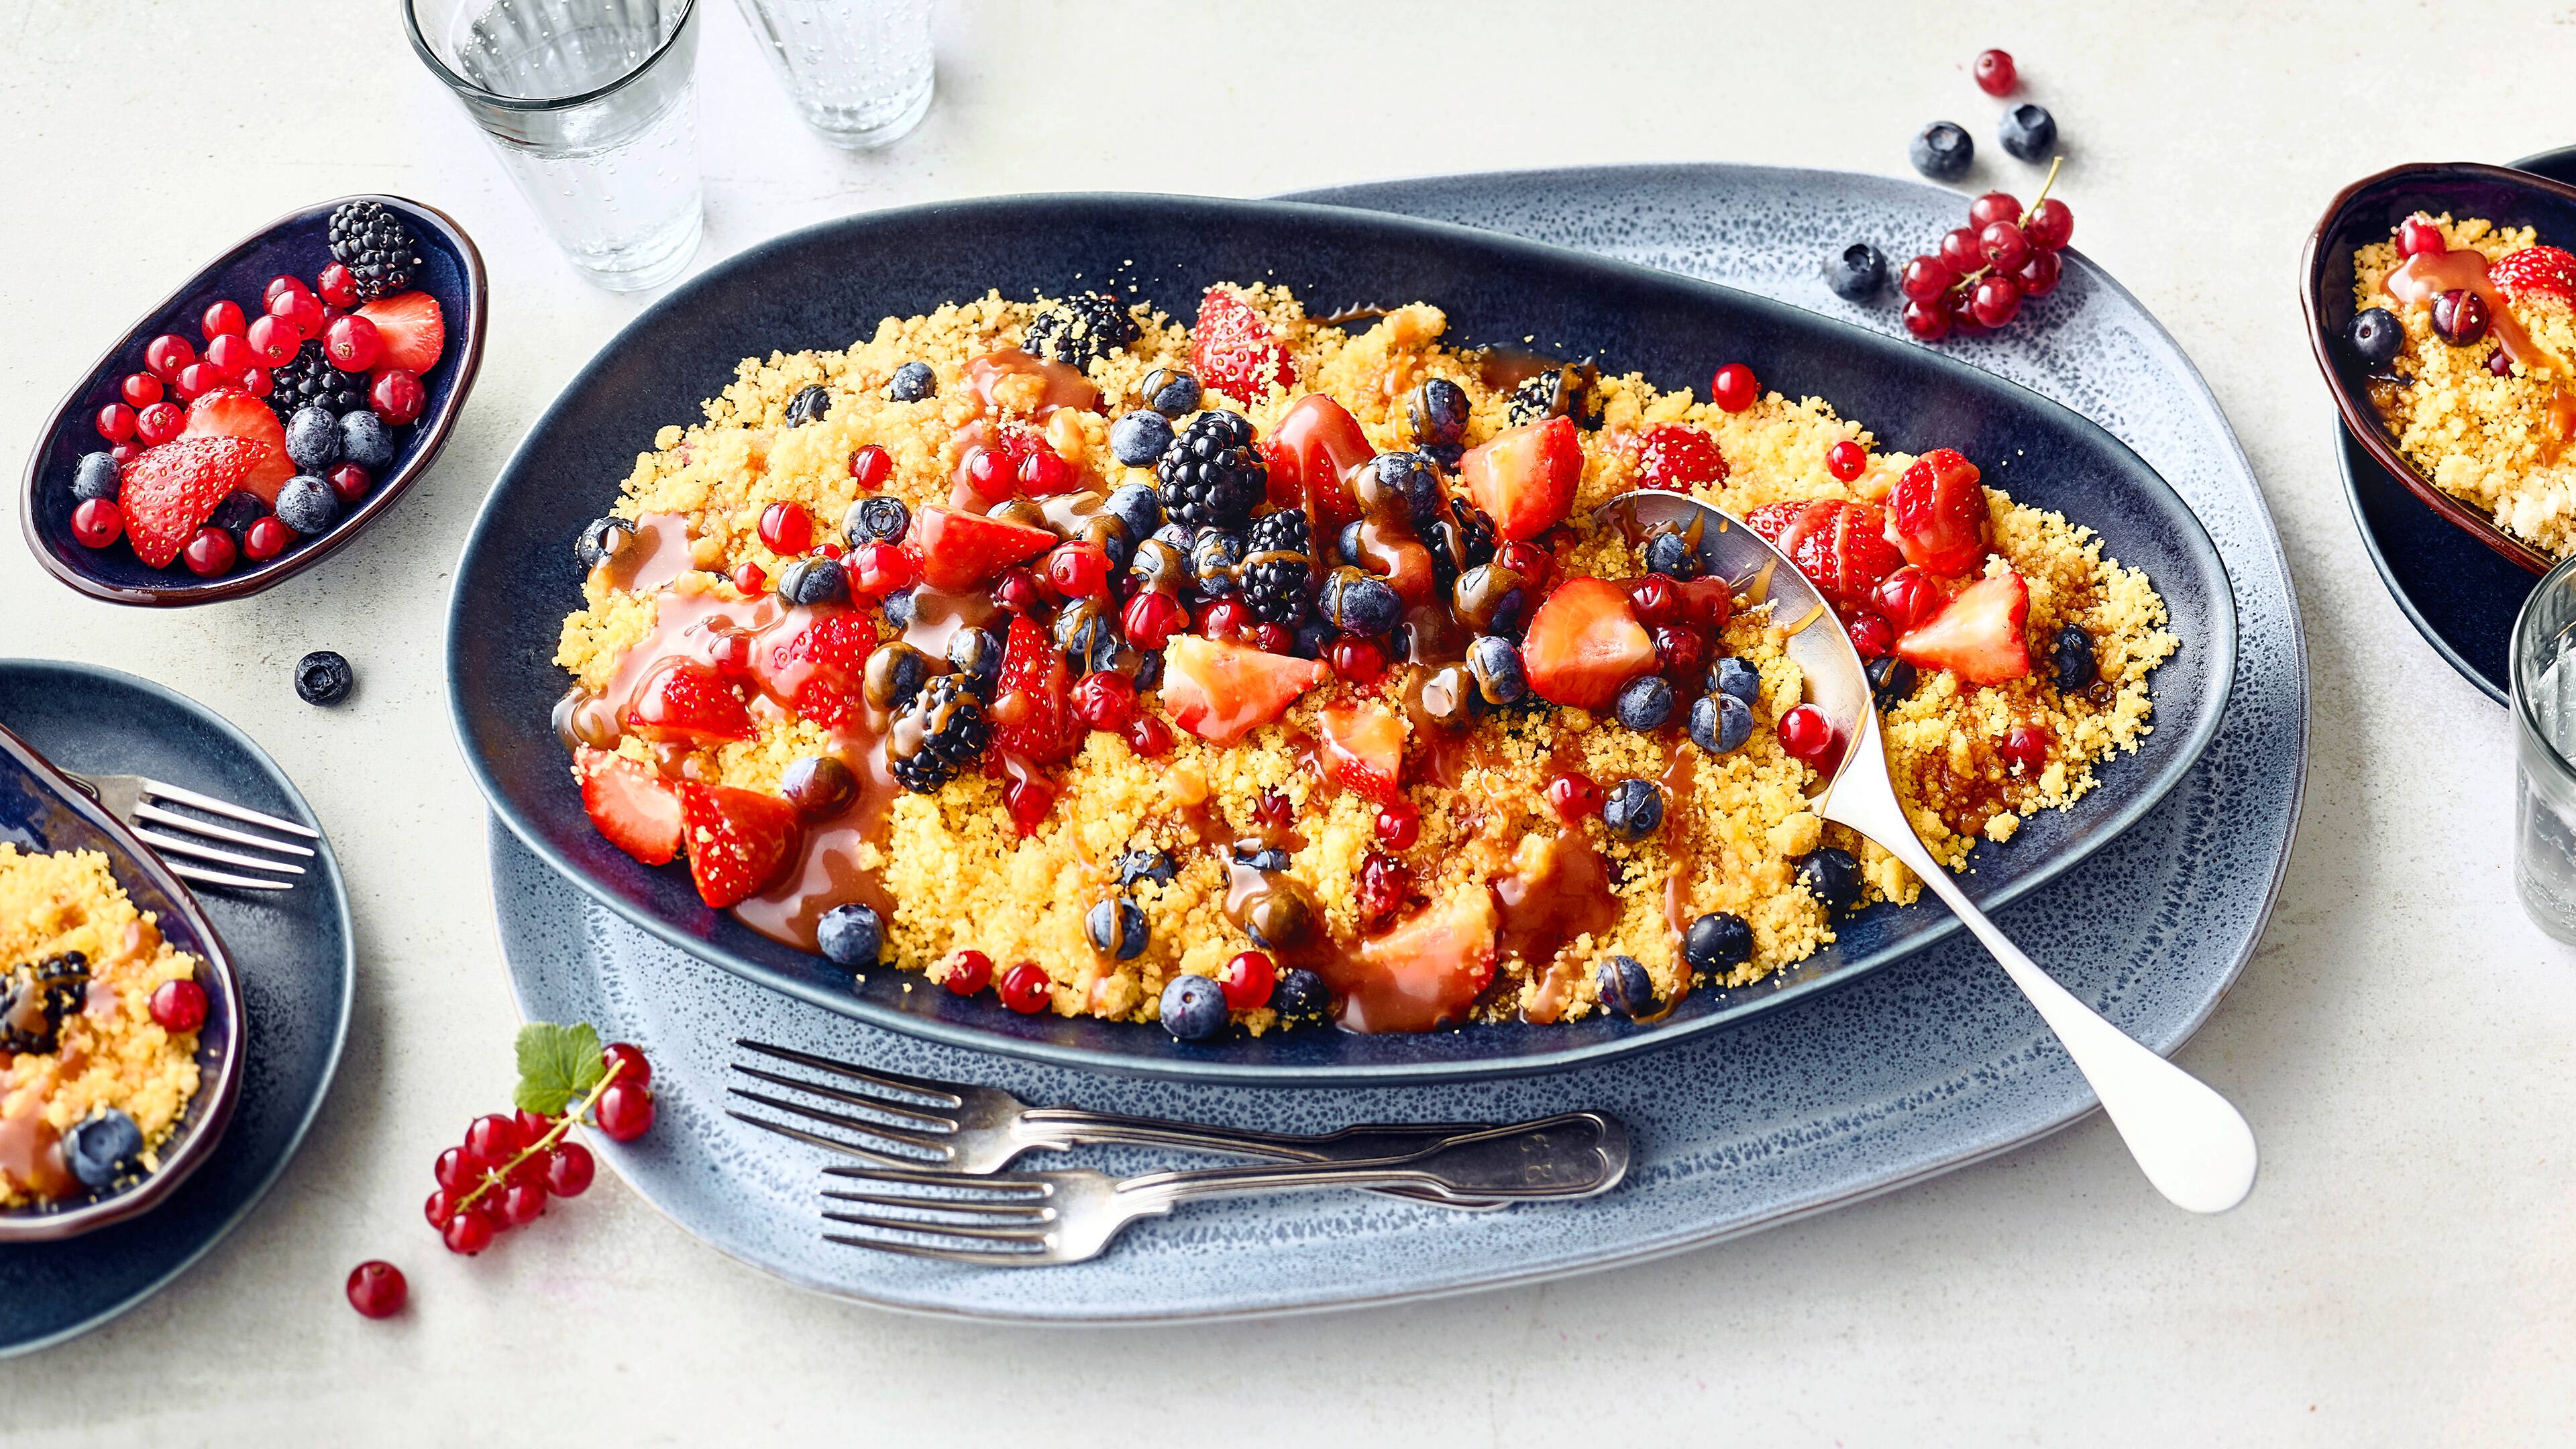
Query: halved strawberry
(2536, 272)
(1033, 701)
(229, 412)
(1937, 514)
(1221, 692)
(1429, 969)
(636, 809)
(958, 550)
(1584, 643)
(820, 671)
(412, 328)
(1524, 479)
(1313, 452)
(1979, 636)
(169, 491)
(1235, 351)
(1678, 457)
(1364, 748)
(739, 840)
(688, 703)
(1840, 546)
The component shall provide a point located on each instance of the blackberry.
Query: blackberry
(938, 736)
(379, 251)
(1569, 391)
(35, 997)
(1279, 568)
(1081, 330)
(1212, 475)
(1284, 530)
(309, 380)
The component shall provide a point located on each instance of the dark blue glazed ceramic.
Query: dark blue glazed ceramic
(295, 244)
(825, 285)
(294, 970)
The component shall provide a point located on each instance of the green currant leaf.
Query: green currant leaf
(556, 1065)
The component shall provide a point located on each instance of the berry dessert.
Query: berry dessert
(240, 447)
(2468, 330)
(98, 1030)
(1247, 671)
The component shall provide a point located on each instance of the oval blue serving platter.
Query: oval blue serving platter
(826, 285)
(296, 244)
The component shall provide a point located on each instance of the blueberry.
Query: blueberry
(605, 539)
(2029, 131)
(1140, 437)
(851, 936)
(1671, 555)
(1720, 723)
(1300, 997)
(2073, 657)
(1626, 989)
(1137, 508)
(102, 1148)
(2376, 335)
(313, 439)
(239, 510)
(1178, 535)
(913, 382)
(977, 655)
(1857, 272)
(1088, 636)
(1736, 677)
(1496, 664)
(1152, 865)
(1268, 859)
(812, 404)
(96, 477)
(1832, 877)
(323, 677)
(1213, 556)
(900, 608)
(1634, 810)
(1349, 542)
(366, 441)
(877, 519)
(307, 504)
(1942, 151)
(1117, 928)
(893, 675)
(1891, 680)
(1717, 942)
(1644, 703)
(1171, 392)
(1149, 671)
(1358, 603)
(1313, 638)
(1438, 412)
(1193, 1008)
(812, 581)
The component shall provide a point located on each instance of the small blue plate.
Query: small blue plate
(297, 973)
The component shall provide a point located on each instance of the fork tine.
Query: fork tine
(184, 871)
(942, 1093)
(1000, 1184)
(213, 806)
(942, 1151)
(817, 1139)
(171, 844)
(1021, 1212)
(899, 1110)
(149, 811)
(1035, 1238)
(967, 1256)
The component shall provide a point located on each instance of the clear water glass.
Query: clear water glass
(593, 107)
(859, 71)
(2544, 711)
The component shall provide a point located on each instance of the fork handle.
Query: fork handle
(1076, 1127)
(1577, 1154)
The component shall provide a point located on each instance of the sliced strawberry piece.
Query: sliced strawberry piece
(168, 492)
(636, 809)
(1235, 351)
(412, 328)
(1364, 749)
(1429, 969)
(1678, 457)
(1313, 452)
(1979, 636)
(958, 550)
(1221, 692)
(819, 673)
(688, 703)
(2537, 272)
(739, 840)
(228, 412)
(1524, 479)
(1033, 701)
(1937, 515)
(1843, 550)
(1584, 643)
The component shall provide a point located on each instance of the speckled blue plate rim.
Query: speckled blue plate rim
(324, 875)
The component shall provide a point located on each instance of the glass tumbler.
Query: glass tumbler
(2544, 713)
(859, 71)
(593, 107)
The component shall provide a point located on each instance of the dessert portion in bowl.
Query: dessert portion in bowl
(1261, 670)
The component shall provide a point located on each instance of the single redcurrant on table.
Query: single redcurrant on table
(1994, 72)
(1733, 388)
(377, 1289)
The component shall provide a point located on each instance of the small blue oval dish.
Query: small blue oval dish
(296, 244)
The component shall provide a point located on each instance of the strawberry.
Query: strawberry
(1584, 643)
(2536, 272)
(169, 492)
(1221, 691)
(228, 412)
(1033, 701)
(1937, 515)
(1315, 448)
(1430, 969)
(1235, 351)
(1364, 748)
(821, 670)
(412, 329)
(1979, 636)
(1840, 546)
(1524, 479)
(739, 840)
(1679, 457)
(688, 703)
(635, 808)
(959, 550)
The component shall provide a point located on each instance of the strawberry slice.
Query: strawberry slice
(1033, 701)
(2536, 272)
(1524, 479)
(1937, 515)
(822, 670)
(412, 328)
(1430, 969)
(958, 550)
(636, 809)
(1840, 546)
(168, 492)
(1313, 452)
(1235, 351)
(1221, 692)
(1979, 636)
(1584, 643)
(1677, 457)
(739, 840)
(687, 703)
(1364, 748)
(228, 412)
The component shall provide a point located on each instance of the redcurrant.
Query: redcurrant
(222, 319)
(871, 466)
(1355, 659)
(468, 1232)
(210, 553)
(377, 1289)
(158, 424)
(624, 1110)
(2048, 225)
(2025, 748)
(2416, 236)
(1847, 460)
(198, 379)
(299, 309)
(750, 578)
(1806, 734)
(166, 354)
(1573, 796)
(440, 1207)
(1994, 72)
(969, 971)
(460, 1171)
(96, 522)
(1929, 321)
(1147, 735)
(569, 1169)
(397, 395)
(1247, 978)
(1655, 599)
(1997, 300)
(1925, 279)
(1105, 700)
(494, 1138)
(273, 341)
(1733, 388)
(1871, 635)
(2003, 246)
(337, 287)
(265, 539)
(257, 382)
(787, 528)
(352, 343)
(628, 1058)
(279, 286)
(1678, 651)
(1044, 474)
(987, 474)
(349, 481)
(1078, 570)
(116, 422)
(139, 389)
(523, 1203)
(1224, 619)
(1026, 988)
(1908, 598)
(1993, 207)
(2038, 276)
(1959, 250)
(1399, 825)
(1151, 618)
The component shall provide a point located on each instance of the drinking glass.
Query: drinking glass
(858, 70)
(2544, 712)
(593, 107)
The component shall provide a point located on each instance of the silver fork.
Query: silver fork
(1038, 1219)
(132, 799)
(958, 1127)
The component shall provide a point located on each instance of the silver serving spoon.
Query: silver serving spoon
(2192, 1145)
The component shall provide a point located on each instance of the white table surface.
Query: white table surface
(2405, 1273)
